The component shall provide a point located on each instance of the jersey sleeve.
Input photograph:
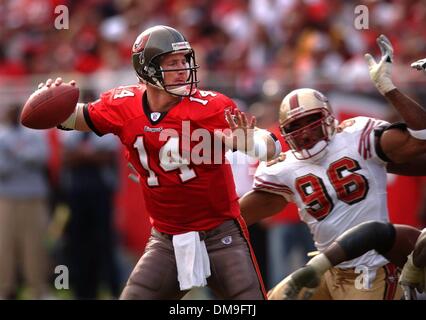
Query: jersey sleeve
(378, 133)
(367, 132)
(268, 179)
(102, 115)
(215, 119)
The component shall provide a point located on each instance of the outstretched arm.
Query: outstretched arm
(414, 167)
(393, 242)
(398, 145)
(258, 205)
(403, 145)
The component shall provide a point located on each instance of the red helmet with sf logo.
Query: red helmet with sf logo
(307, 123)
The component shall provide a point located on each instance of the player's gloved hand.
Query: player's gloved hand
(412, 278)
(305, 278)
(419, 64)
(381, 72)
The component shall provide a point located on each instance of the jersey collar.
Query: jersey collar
(153, 117)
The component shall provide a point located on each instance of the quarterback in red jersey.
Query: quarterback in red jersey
(179, 194)
(175, 137)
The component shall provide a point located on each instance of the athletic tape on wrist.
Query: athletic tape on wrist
(70, 122)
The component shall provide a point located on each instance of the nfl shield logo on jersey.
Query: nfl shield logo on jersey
(155, 116)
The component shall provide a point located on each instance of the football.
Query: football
(48, 107)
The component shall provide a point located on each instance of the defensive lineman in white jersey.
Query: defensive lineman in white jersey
(338, 179)
(338, 189)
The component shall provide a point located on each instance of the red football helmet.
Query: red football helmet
(307, 123)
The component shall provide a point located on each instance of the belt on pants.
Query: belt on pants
(203, 234)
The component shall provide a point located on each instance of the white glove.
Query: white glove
(419, 64)
(380, 72)
(412, 278)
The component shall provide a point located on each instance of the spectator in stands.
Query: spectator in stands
(23, 207)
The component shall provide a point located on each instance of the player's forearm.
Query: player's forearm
(361, 239)
(258, 205)
(415, 167)
(81, 124)
(76, 120)
(273, 147)
(413, 114)
(266, 146)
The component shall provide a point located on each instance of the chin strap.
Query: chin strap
(181, 91)
(316, 152)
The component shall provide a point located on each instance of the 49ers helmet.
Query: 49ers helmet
(313, 136)
(147, 51)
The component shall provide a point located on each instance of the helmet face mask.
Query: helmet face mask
(149, 49)
(181, 87)
(307, 123)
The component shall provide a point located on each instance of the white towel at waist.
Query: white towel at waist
(192, 260)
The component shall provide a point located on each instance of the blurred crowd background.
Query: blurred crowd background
(65, 198)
